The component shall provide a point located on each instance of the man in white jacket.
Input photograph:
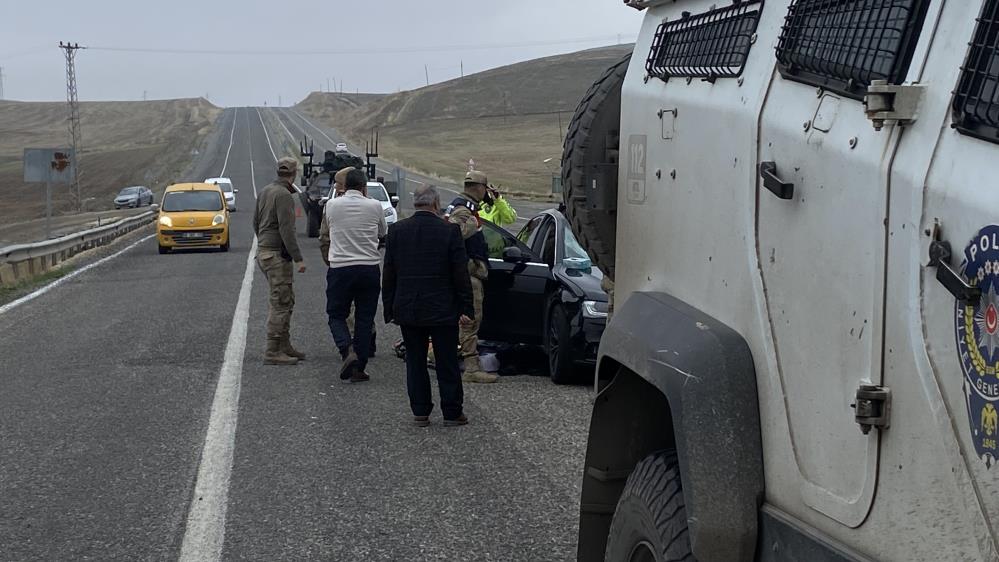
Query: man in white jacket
(355, 225)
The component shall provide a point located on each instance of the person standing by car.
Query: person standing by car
(426, 289)
(464, 211)
(496, 209)
(277, 247)
(355, 225)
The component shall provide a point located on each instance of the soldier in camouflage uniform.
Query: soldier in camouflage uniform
(464, 211)
(277, 247)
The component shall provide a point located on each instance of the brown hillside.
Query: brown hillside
(507, 119)
(124, 143)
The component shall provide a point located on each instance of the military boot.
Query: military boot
(289, 350)
(276, 356)
(474, 373)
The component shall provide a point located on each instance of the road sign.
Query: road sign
(48, 165)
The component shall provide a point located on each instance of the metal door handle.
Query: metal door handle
(951, 280)
(782, 189)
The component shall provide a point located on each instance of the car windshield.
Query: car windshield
(199, 200)
(226, 187)
(572, 247)
(129, 191)
(377, 192)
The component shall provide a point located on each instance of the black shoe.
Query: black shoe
(359, 376)
(460, 420)
(349, 367)
(421, 421)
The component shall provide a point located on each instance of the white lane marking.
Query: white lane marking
(268, 137)
(283, 126)
(232, 135)
(253, 180)
(204, 534)
(34, 295)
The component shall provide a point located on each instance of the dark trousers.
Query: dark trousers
(359, 285)
(445, 340)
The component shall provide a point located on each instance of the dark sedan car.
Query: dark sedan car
(543, 290)
(137, 196)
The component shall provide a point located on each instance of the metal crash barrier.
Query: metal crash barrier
(25, 261)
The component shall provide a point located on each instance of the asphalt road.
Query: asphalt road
(109, 386)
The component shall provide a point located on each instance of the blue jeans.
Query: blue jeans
(359, 285)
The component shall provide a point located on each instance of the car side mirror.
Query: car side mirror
(513, 254)
(154, 207)
(234, 190)
(395, 200)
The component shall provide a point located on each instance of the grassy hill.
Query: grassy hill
(508, 119)
(124, 143)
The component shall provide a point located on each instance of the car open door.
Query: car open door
(513, 306)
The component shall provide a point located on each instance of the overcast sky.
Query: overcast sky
(391, 41)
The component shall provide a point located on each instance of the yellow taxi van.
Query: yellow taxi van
(193, 215)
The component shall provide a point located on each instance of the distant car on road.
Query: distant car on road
(376, 191)
(133, 197)
(228, 190)
(193, 215)
(341, 147)
(543, 290)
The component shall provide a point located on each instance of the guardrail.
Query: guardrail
(24, 261)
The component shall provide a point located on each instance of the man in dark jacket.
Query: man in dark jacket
(426, 289)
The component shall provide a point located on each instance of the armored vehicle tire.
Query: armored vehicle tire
(315, 221)
(591, 147)
(650, 521)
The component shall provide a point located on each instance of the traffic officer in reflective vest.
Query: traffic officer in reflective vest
(464, 211)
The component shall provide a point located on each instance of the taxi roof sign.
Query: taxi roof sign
(54, 165)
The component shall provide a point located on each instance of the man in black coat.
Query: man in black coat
(427, 291)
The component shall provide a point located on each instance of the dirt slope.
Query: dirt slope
(508, 119)
(124, 143)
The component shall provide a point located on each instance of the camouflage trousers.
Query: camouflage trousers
(282, 298)
(468, 336)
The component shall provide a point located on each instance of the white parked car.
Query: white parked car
(377, 191)
(225, 184)
(341, 147)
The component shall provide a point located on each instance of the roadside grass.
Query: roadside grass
(14, 292)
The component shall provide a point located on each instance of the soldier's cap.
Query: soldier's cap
(341, 176)
(476, 177)
(287, 165)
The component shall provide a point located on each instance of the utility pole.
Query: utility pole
(74, 114)
(328, 86)
(143, 95)
(462, 69)
(1, 83)
(279, 100)
(427, 72)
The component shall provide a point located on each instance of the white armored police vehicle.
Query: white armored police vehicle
(798, 203)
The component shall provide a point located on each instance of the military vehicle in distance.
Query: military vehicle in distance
(317, 181)
(796, 202)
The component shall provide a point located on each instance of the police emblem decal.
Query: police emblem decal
(977, 330)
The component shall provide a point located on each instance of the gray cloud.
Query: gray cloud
(516, 29)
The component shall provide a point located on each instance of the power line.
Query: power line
(365, 51)
(74, 115)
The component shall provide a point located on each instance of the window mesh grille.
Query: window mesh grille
(976, 102)
(844, 45)
(711, 45)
